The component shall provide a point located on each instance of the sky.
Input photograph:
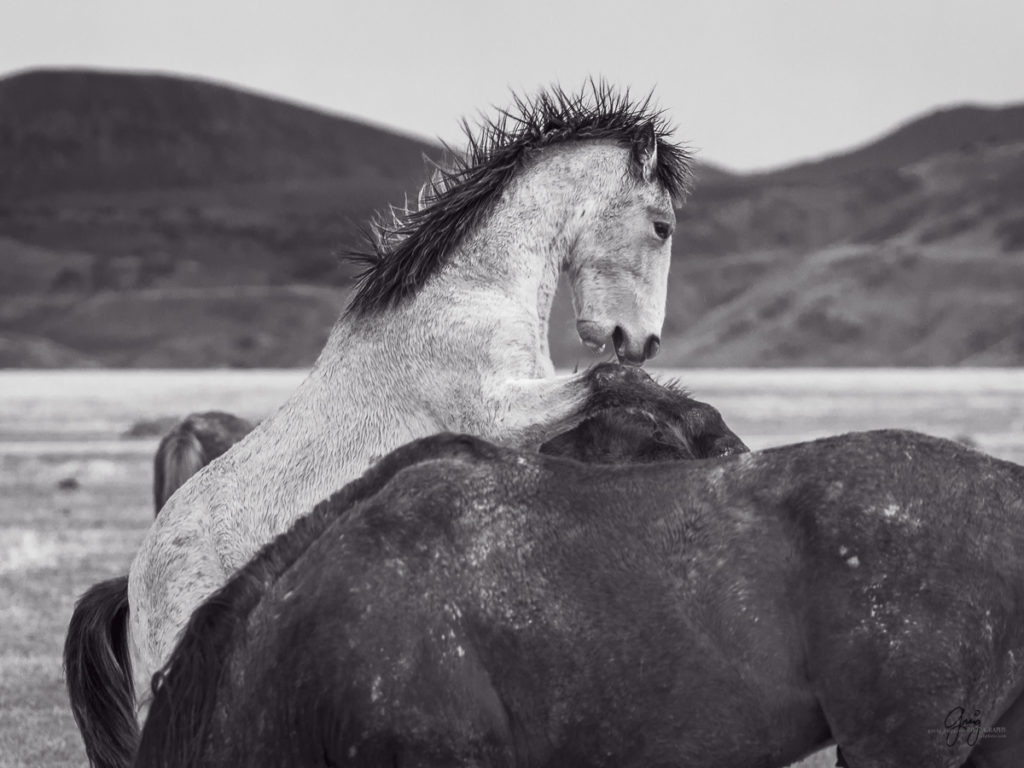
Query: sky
(751, 84)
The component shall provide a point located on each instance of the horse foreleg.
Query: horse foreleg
(525, 413)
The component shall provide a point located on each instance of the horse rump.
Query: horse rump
(97, 671)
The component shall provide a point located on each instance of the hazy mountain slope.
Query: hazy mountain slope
(957, 129)
(168, 182)
(250, 326)
(917, 263)
(132, 207)
(66, 131)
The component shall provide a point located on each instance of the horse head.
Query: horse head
(641, 421)
(619, 261)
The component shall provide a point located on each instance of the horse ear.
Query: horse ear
(647, 149)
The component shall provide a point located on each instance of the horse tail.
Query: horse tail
(98, 672)
(179, 456)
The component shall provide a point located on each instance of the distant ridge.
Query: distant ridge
(954, 129)
(80, 130)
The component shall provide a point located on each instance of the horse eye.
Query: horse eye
(662, 230)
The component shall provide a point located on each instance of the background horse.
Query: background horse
(637, 421)
(189, 446)
(465, 604)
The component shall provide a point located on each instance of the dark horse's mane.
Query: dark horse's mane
(409, 246)
(198, 663)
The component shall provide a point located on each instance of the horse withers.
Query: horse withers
(465, 604)
(634, 420)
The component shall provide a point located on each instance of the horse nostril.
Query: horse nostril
(652, 346)
(619, 340)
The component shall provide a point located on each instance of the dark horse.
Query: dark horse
(632, 419)
(191, 444)
(463, 604)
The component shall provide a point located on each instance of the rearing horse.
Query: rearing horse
(447, 331)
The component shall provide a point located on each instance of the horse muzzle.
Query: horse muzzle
(593, 334)
(629, 349)
(632, 351)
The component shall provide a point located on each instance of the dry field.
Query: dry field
(75, 496)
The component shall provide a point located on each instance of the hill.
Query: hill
(908, 251)
(957, 129)
(95, 132)
(165, 182)
(148, 220)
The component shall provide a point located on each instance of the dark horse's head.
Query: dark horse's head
(653, 422)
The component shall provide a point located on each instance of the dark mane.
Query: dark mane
(412, 245)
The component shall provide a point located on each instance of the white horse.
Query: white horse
(447, 331)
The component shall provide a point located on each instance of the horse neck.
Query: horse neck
(520, 248)
(514, 257)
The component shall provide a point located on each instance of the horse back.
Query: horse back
(487, 581)
(897, 494)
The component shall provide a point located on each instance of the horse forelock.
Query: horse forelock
(407, 246)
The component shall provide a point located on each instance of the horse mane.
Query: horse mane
(185, 691)
(409, 245)
(675, 386)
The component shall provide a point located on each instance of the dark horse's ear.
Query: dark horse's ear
(646, 147)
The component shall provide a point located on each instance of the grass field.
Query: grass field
(58, 538)
(54, 544)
